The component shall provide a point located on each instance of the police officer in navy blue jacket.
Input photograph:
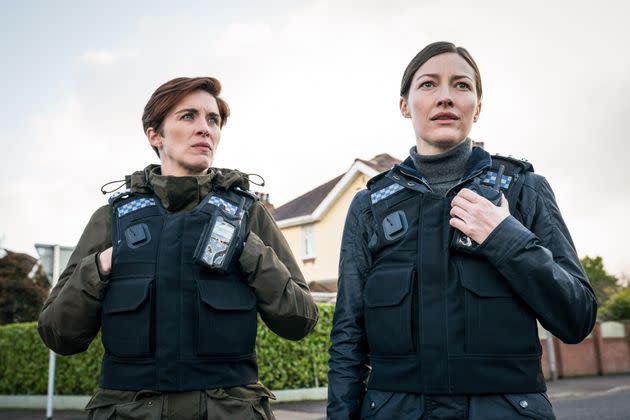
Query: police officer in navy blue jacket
(448, 261)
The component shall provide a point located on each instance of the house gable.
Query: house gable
(334, 187)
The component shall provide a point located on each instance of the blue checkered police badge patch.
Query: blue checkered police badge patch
(223, 204)
(385, 192)
(135, 205)
(490, 177)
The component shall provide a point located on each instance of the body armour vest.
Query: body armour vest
(441, 321)
(168, 323)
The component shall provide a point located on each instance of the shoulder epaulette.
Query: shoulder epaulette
(247, 193)
(117, 196)
(520, 165)
(376, 178)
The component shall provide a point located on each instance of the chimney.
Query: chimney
(264, 199)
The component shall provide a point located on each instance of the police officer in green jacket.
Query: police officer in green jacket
(173, 272)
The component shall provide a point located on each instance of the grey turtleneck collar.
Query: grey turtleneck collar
(443, 170)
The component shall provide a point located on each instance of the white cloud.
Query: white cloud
(314, 87)
(105, 56)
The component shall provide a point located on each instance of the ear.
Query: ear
(155, 139)
(403, 108)
(477, 112)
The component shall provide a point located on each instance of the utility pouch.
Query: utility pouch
(462, 242)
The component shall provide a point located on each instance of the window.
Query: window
(308, 242)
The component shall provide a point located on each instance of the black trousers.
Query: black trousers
(397, 405)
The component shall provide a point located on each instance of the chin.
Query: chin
(445, 143)
(450, 138)
(199, 165)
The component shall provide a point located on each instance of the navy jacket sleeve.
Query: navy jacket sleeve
(348, 367)
(539, 261)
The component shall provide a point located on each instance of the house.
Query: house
(313, 222)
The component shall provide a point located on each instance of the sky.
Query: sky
(312, 85)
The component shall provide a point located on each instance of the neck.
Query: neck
(175, 170)
(443, 170)
(427, 149)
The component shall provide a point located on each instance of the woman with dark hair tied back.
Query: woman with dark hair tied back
(173, 272)
(448, 260)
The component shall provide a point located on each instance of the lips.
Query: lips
(444, 116)
(202, 145)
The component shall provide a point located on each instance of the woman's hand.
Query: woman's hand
(475, 216)
(105, 261)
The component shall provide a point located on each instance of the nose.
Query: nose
(203, 129)
(444, 96)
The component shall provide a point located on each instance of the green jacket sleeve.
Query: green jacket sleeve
(284, 300)
(71, 316)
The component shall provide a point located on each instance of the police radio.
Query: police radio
(462, 242)
(220, 238)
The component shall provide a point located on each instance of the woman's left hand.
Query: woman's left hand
(475, 216)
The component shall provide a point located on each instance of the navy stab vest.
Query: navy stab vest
(169, 324)
(439, 321)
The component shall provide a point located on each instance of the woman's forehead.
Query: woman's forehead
(446, 64)
(199, 100)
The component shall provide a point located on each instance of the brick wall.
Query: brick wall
(605, 351)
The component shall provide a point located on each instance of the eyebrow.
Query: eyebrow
(195, 111)
(435, 75)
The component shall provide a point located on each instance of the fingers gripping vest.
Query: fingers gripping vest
(169, 324)
(439, 321)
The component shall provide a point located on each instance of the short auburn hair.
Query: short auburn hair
(170, 93)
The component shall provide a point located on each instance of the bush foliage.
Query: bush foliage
(23, 288)
(617, 307)
(283, 364)
(603, 283)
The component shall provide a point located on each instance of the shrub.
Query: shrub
(617, 308)
(23, 287)
(283, 364)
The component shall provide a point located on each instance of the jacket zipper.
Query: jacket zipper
(464, 180)
(419, 180)
(415, 311)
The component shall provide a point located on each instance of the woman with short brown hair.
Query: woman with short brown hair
(174, 271)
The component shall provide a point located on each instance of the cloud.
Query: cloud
(105, 56)
(314, 86)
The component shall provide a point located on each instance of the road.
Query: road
(600, 398)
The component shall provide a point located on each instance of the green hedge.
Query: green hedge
(283, 364)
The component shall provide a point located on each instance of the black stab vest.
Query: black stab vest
(439, 321)
(169, 324)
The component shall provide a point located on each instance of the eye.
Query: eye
(462, 85)
(213, 120)
(426, 84)
(188, 116)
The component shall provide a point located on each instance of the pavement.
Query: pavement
(600, 397)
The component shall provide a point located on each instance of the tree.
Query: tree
(617, 307)
(603, 284)
(23, 287)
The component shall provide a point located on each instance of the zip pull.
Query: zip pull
(262, 180)
(122, 181)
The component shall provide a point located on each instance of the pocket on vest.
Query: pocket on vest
(227, 318)
(127, 312)
(389, 311)
(497, 320)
